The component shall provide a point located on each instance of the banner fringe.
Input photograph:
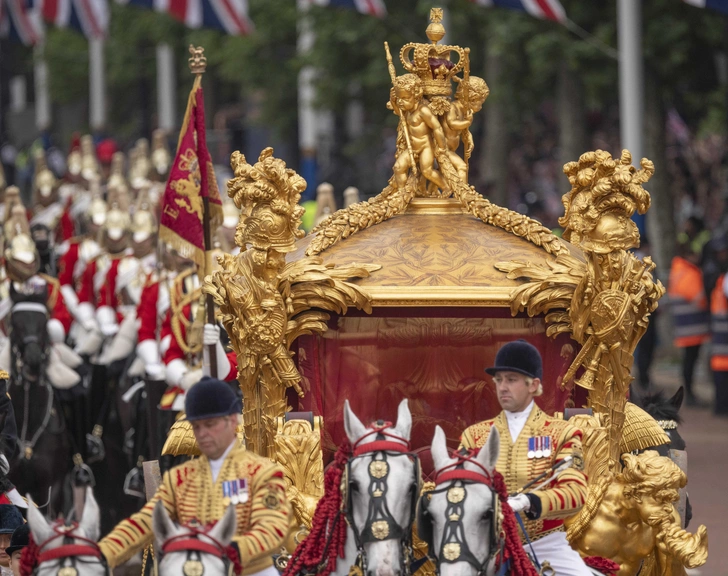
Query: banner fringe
(185, 248)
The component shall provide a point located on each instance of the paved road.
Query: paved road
(707, 444)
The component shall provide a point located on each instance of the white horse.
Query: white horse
(189, 551)
(380, 493)
(68, 549)
(460, 512)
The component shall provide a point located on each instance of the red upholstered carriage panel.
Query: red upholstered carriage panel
(433, 356)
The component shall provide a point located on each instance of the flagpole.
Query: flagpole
(197, 67)
(631, 83)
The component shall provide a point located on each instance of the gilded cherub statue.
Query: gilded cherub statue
(266, 302)
(431, 128)
(425, 133)
(469, 98)
(636, 524)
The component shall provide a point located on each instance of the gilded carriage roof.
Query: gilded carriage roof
(433, 254)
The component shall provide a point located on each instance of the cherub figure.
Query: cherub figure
(456, 123)
(425, 131)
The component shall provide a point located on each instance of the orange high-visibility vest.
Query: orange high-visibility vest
(688, 304)
(719, 327)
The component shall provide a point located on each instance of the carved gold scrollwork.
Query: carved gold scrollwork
(298, 451)
(266, 302)
(605, 303)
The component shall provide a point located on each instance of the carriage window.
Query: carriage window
(434, 357)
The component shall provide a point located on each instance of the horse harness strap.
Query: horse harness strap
(191, 543)
(380, 525)
(454, 546)
(69, 549)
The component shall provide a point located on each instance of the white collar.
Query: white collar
(216, 465)
(518, 415)
(517, 420)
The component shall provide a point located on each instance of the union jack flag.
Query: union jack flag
(230, 16)
(718, 5)
(544, 9)
(20, 21)
(90, 17)
(370, 7)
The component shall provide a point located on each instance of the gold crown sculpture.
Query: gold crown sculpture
(433, 62)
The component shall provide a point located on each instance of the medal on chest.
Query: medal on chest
(539, 447)
(235, 491)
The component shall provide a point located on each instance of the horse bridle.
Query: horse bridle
(69, 550)
(454, 545)
(191, 543)
(380, 525)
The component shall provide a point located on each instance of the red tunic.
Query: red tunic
(98, 283)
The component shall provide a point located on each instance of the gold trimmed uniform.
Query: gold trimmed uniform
(561, 498)
(189, 493)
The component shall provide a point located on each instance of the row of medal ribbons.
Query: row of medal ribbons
(235, 491)
(539, 447)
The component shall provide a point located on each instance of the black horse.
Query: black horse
(44, 458)
(666, 411)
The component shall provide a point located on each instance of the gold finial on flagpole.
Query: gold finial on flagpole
(198, 62)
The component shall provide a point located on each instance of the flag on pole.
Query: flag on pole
(90, 17)
(229, 16)
(370, 7)
(544, 9)
(191, 179)
(718, 5)
(21, 21)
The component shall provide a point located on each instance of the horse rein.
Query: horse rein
(454, 546)
(69, 550)
(191, 543)
(380, 525)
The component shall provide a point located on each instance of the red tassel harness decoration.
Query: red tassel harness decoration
(520, 563)
(604, 565)
(309, 555)
(29, 558)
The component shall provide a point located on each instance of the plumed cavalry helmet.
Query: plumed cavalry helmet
(518, 356)
(19, 246)
(211, 398)
(144, 222)
(97, 208)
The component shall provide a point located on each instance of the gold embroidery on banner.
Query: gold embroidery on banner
(189, 188)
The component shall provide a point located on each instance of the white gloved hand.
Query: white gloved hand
(148, 351)
(519, 503)
(190, 378)
(107, 320)
(56, 331)
(210, 334)
(85, 316)
(156, 372)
